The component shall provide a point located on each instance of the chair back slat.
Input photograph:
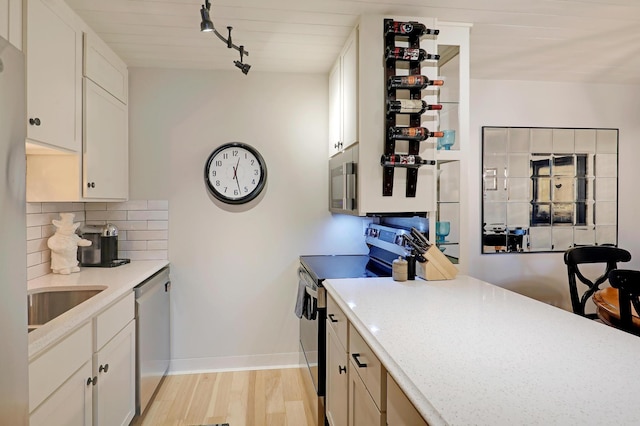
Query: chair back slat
(608, 256)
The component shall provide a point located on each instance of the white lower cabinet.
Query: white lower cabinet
(70, 404)
(88, 378)
(114, 393)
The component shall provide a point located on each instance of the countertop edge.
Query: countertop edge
(421, 403)
(118, 281)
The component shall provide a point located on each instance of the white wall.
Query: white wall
(234, 271)
(529, 104)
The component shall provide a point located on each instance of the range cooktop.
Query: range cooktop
(342, 266)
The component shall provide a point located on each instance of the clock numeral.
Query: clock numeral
(256, 172)
(235, 192)
(218, 163)
(253, 161)
(246, 189)
(225, 155)
(213, 173)
(235, 153)
(217, 183)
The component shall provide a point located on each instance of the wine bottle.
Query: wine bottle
(402, 160)
(410, 106)
(412, 82)
(408, 29)
(412, 133)
(409, 54)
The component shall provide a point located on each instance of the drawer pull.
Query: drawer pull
(104, 368)
(357, 360)
(342, 369)
(92, 380)
(331, 318)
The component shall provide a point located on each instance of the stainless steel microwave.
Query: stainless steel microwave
(343, 181)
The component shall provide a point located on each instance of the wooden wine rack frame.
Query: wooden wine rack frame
(390, 121)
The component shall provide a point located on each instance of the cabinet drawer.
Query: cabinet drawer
(400, 411)
(112, 320)
(338, 320)
(55, 366)
(368, 366)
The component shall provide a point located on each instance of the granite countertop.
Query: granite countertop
(116, 282)
(468, 352)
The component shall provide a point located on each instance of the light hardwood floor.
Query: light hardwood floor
(240, 398)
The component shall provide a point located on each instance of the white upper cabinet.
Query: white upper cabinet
(343, 97)
(106, 151)
(77, 94)
(54, 88)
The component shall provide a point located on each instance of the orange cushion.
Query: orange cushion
(606, 301)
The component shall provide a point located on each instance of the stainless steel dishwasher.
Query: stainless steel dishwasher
(153, 350)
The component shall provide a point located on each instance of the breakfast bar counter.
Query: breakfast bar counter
(467, 352)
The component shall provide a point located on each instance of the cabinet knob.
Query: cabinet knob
(34, 121)
(104, 368)
(342, 369)
(91, 184)
(92, 380)
(337, 145)
(331, 318)
(356, 358)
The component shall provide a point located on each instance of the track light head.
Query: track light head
(206, 25)
(244, 67)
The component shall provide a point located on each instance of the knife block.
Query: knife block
(437, 267)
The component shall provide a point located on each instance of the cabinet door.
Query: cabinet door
(362, 410)
(54, 48)
(106, 147)
(337, 380)
(105, 68)
(4, 22)
(350, 91)
(114, 394)
(335, 109)
(70, 404)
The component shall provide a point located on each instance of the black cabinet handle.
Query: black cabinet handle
(91, 184)
(331, 318)
(104, 368)
(34, 121)
(357, 360)
(92, 380)
(342, 369)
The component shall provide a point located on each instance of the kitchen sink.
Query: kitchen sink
(46, 305)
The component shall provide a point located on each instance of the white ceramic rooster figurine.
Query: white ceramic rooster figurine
(64, 245)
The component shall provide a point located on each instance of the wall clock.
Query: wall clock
(235, 173)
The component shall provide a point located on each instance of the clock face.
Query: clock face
(235, 173)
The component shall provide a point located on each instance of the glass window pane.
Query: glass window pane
(540, 214)
(563, 165)
(563, 189)
(541, 189)
(540, 165)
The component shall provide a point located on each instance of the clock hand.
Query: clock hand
(235, 175)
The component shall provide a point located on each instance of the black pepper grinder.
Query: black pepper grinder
(411, 267)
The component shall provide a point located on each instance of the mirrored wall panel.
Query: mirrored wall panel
(548, 189)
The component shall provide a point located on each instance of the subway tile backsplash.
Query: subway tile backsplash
(143, 229)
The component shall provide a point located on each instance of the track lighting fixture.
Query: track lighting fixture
(207, 26)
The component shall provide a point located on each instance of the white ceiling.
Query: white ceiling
(558, 40)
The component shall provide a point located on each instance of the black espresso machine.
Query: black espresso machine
(386, 243)
(103, 251)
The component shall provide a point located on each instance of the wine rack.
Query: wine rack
(391, 39)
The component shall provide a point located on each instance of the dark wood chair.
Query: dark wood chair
(609, 256)
(618, 305)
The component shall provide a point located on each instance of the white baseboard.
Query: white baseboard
(235, 363)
